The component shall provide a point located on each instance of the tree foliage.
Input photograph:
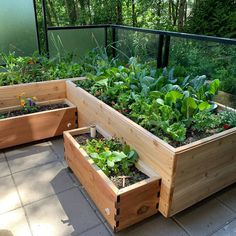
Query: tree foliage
(213, 17)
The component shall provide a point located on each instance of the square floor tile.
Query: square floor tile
(205, 217)
(4, 169)
(228, 197)
(67, 213)
(9, 198)
(227, 230)
(30, 156)
(155, 225)
(57, 145)
(99, 230)
(14, 223)
(39, 182)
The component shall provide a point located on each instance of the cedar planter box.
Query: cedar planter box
(36, 126)
(121, 208)
(189, 173)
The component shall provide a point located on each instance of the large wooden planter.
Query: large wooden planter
(189, 173)
(36, 126)
(121, 208)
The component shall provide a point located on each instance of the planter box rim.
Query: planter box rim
(70, 105)
(155, 138)
(44, 82)
(101, 173)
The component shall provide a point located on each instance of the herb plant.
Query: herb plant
(228, 119)
(205, 121)
(111, 156)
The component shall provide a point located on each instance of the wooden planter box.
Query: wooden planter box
(189, 173)
(36, 126)
(121, 208)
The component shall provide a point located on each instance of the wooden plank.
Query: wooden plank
(184, 180)
(216, 137)
(138, 202)
(36, 126)
(147, 170)
(96, 184)
(152, 151)
(43, 91)
(204, 170)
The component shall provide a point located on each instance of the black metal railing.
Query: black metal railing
(163, 43)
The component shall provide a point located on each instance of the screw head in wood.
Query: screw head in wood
(107, 211)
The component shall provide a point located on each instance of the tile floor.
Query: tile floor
(40, 197)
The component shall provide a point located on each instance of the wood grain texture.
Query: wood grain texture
(204, 169)
(36, 126)
(93, 179)
(152, 151)
(138, 202)
(189, 173)
(43, 91)
(126, 206)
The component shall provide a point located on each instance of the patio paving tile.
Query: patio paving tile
(67, 213)
(204, 218)
(228, 197)
(227, 230)
(4, 169)
(14, 223)
(30, 156)
(9, 198)
(39, 182)
(57, 145)
(99, 230)
(155, 225)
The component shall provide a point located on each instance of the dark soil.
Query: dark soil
(82, 138)
(120, 181)
(124, 181)
(193, 136)
(39, 109)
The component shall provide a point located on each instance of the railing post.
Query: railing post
(166, 51)
(37, 26)
(45, 26)
(113, 42)
(106, 43)
(160, 50)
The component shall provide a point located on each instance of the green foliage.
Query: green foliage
(111, 156)
(213, 17)
(159, 100)
(228, 118)
(204, 121)
(28, 104)
(36, 68)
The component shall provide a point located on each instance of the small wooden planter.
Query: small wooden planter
(36, 126)
(121, 208)
(188, 174)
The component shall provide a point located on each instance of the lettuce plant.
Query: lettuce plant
(111, 156)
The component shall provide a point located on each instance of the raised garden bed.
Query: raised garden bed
(53, 114)
(189, 173)
(120, 207)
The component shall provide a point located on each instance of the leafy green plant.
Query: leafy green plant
(111, 156)
(228, 119)
(204, 121)
(158, 100)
